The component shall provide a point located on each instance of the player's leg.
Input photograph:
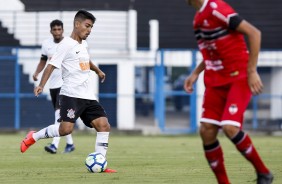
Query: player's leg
(95, 117)
(54, 93)
(213, 151)
(51, 131)
(102, 140)
(210, 123)
(52, 148)
(103, 130)
(72, 107)
(70, 145)
(69, 113)
(237, 101)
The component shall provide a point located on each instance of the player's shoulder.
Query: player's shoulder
(84, 42)
(67, 42)
(217, 4)
(220, 8)
(47, 42)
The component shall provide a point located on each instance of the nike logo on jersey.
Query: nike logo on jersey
(77, 52)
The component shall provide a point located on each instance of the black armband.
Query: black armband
(44, 57)
(234, 22)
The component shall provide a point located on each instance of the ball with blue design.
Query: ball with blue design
(96, 162)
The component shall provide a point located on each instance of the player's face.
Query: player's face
(85, 28)
(57, 32)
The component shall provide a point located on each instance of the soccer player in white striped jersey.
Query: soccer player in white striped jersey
(77, 98)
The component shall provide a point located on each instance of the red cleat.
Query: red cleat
(27, 142)
(109, 170)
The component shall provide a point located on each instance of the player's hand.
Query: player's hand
(189, 81)
(102, 76)
(35, 76)
(255, 83)
(37, 90)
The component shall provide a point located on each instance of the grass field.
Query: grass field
(138, 159)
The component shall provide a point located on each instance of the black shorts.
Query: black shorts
(54, 93)
(87, 110)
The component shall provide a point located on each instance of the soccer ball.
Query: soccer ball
(96, 162)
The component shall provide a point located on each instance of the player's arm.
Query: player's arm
(254, 39)
(97, 70)
(192, 78)
(40, 66)
(46, 74)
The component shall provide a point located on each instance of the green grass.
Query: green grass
(138, 159)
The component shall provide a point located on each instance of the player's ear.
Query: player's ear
(76, 23)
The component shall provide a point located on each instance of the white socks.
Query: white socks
(102, 141)
(69, 139)
(48, 132)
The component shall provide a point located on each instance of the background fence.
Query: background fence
(159, 100)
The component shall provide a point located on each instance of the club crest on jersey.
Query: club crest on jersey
(71, 113)
(233, 109)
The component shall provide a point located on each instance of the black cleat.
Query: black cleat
(264, 178)
(51, 149)
(69, 148)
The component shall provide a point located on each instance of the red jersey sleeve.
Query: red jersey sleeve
(224, 13)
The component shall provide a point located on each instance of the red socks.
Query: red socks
(245, 146)
(214, 155)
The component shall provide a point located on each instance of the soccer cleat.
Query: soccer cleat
(69, 148)
(27, 142)
(108, 170)
(51, 149)
(264, 178)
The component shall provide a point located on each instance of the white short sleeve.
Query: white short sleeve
(59, 55)
(44, 48)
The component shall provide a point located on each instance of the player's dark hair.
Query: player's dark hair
(56, 22)
(83, 15)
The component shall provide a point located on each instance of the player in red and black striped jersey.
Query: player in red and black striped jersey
(230, 78)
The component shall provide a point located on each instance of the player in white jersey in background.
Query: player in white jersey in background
(77, 98)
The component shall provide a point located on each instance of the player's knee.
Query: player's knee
(64, 129)
(208, 132)
(202, 131)
(104, 127)
(101, 124)
(230, 130)
(206, 128)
